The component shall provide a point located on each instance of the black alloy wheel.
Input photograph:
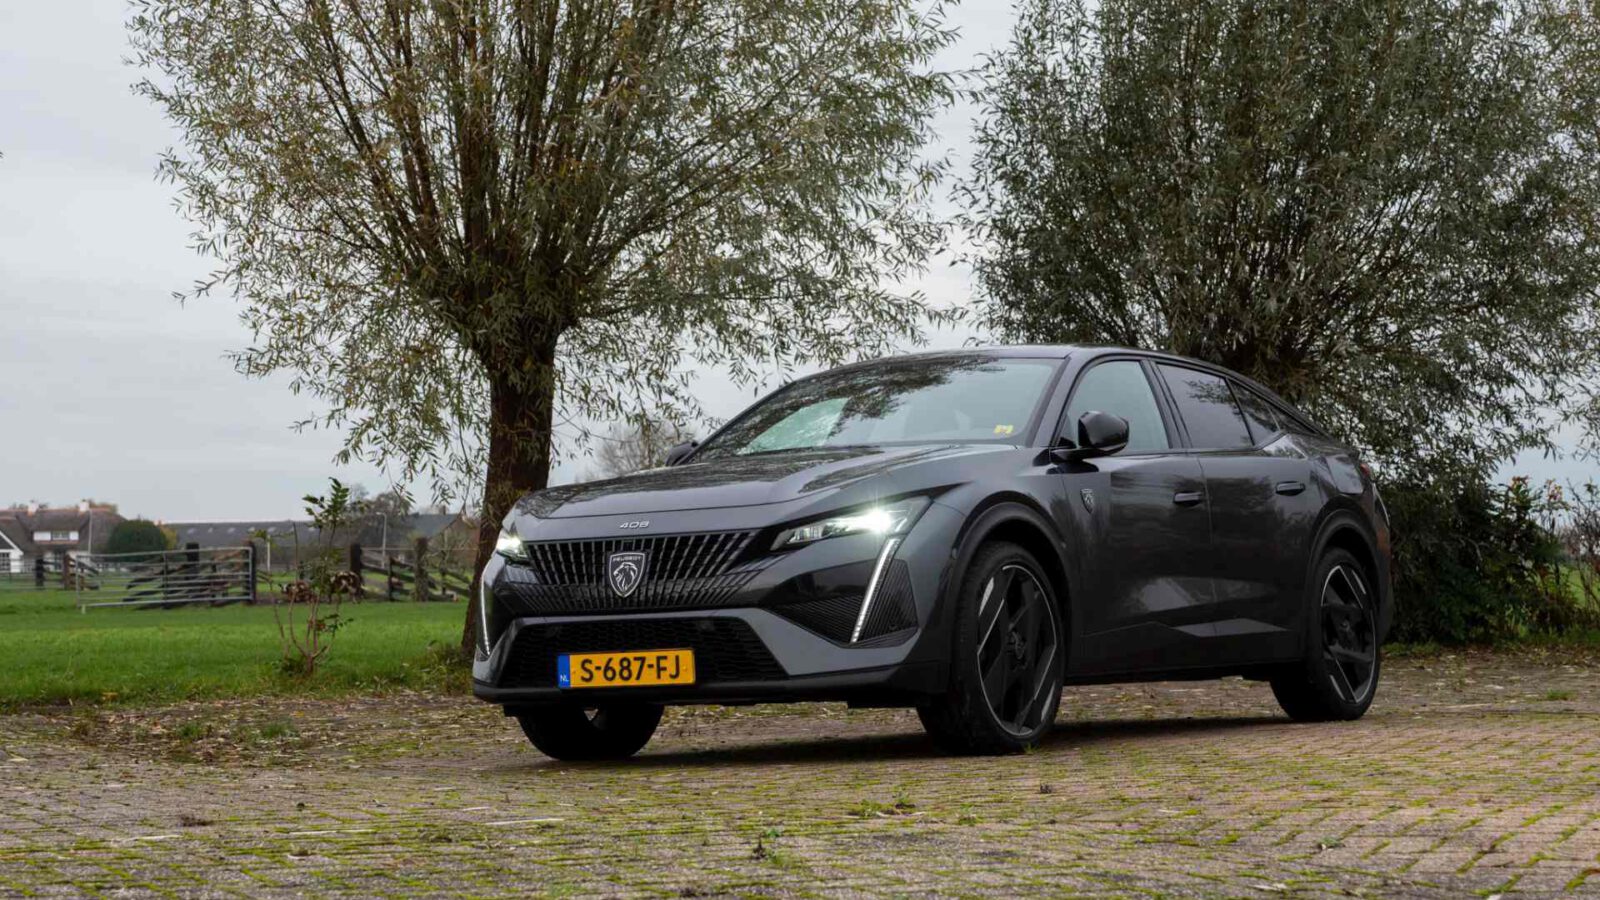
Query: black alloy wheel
(1017, 654)
(1349, 634)
(1007, 658)
(1338, 678)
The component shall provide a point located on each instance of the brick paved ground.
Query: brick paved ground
(1476, 773)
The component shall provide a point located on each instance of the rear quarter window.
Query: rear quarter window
(1205, 403)
(1258, 413)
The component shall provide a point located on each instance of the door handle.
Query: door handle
(1188, 498)
(1289, 488)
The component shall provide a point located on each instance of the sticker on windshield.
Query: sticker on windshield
(1003, 429)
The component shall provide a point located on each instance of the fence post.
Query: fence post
(193, 565)
(420, 570)
(250, 564)
(355, 569)
(393, 586)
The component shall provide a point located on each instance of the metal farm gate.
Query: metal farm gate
(171, 578)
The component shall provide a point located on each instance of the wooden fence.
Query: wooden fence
(215, 576)
(388, 577)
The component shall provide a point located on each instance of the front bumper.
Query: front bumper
(753, 652)
(743, 655)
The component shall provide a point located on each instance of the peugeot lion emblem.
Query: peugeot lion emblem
(1088, 498)
(625, 570)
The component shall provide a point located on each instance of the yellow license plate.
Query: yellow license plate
(638, 668)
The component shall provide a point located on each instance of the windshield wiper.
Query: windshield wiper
(827, 448)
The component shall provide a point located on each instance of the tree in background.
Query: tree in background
(384, 516)
(455, 221)
(642, 444)
(138, 536)
(1386, 212)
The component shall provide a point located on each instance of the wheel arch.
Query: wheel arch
(1017, 519)
(1345, 529)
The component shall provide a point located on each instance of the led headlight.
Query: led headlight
(885, 519)
(510, 546)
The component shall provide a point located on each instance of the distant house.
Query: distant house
(284, 536)
(401, 534)
(12, 539)
(38, 531)
(209, 535)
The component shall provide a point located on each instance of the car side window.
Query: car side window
(1119, 387)
(1206, 405)
(1258, 413)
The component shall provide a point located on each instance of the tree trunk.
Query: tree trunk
(521, 412)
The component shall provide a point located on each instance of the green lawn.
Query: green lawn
(50, 653)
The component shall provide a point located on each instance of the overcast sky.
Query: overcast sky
(109, 388)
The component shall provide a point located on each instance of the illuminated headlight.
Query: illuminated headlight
(510, 546)
(884, 519)
(483, 619)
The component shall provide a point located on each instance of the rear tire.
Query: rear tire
(1007, 658)
(1338, 678)
(576, 734)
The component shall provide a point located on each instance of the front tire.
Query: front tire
(1338, 677)
(1006, 665)
(576, 734)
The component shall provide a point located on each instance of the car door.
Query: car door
(1140, 518)
(1263, 504)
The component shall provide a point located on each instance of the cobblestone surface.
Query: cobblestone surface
(1474, 773)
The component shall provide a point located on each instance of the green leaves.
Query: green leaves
(573, 203)
(1386, 212)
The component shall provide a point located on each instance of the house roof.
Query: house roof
(20, 525)
(237, 534)
(56, 520)
(13, 536)
(428, 525)
(403, 531)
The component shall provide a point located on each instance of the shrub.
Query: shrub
(1489, 563)
(137, 536)
(320, 592)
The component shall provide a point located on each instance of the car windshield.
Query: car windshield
(957, 399)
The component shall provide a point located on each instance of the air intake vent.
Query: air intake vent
(831, 617)
(893, 612)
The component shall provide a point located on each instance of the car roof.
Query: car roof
(1035, 351)
(1092, 351)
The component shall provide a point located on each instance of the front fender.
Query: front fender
(1008, 514)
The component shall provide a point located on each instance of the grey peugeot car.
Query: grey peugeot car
(962, 533)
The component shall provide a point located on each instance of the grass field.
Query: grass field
(51, 654)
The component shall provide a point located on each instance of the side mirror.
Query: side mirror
(680, 452)
(1099, 434)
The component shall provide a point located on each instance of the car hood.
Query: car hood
(736, 481)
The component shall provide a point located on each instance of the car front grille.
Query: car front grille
(725, 649)
(681, 571)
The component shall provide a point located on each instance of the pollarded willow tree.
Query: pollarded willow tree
(458, 220)
(1389, 212)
